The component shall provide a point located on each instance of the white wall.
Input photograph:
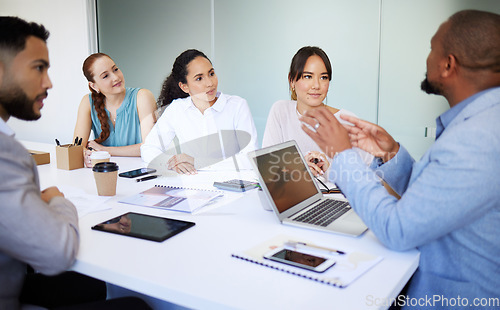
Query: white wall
(68, 46)
(407, 28)
(144, 38)
(251, 43)
(256, 40)
(378, 50)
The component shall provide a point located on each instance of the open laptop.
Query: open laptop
(289, 186)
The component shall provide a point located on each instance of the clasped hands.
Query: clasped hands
(91, 147)
(182, 164)
(49, 193)
(333, 137)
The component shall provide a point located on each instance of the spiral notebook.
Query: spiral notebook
(347, 269)
(174, 198)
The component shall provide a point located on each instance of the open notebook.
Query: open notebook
(174, 198)
(348, 268)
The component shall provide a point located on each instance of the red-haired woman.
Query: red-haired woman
(120, 117)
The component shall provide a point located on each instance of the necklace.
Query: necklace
(300, 114)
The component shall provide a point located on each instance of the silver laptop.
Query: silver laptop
(294, 196)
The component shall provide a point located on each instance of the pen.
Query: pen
(76, 141)
(323, 184)
(298, 245)
(80, 141)
(149, 177)
(57, 142)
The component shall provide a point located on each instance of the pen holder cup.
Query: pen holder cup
(106, 175)
(69, 156)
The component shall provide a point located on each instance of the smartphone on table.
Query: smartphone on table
(310, 261)
(137, 172)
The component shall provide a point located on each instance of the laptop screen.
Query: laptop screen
(286, 176)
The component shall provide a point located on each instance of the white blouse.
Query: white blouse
(183, 120)
(283, 125)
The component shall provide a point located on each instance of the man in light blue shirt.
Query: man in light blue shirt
(450, 200)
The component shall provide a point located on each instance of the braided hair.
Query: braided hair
(97, 97)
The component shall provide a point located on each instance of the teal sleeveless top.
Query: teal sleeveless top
(127, 129)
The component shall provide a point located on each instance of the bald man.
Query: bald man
(450, 200)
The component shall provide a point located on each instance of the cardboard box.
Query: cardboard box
(69, 156)
(41, 158)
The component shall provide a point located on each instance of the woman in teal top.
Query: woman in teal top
(126, 130)
(120, 117)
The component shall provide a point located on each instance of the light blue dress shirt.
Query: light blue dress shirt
(127, 128)
(449, 208)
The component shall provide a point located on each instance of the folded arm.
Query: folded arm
(43, 234)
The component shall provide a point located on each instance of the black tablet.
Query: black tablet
(144, 226)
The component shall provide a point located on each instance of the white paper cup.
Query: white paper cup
(99, 157)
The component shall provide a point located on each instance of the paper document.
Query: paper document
(173, 198)
(84, 203)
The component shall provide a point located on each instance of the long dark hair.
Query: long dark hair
(299, 62)
(97, 98)
(170, 89)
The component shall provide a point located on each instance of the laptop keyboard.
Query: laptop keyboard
(324, 213)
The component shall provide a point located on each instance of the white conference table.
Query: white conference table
(195, 269)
